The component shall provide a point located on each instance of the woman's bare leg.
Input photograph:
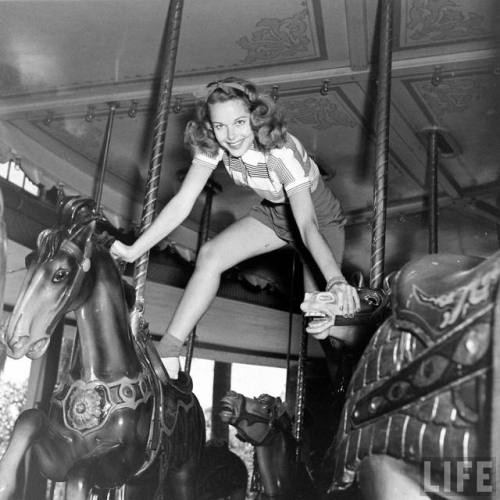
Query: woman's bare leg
(242, 240)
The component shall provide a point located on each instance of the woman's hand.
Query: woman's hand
(346, 295)
(121, 251)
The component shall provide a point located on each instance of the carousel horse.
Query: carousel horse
(265, 423)
(111, 421)
(416, 422)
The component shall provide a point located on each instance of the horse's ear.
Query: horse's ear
(84, 239)
(76, 210)
(83, 235)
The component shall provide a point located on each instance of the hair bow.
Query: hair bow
(224, 86)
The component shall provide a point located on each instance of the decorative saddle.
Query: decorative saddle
(420, 389)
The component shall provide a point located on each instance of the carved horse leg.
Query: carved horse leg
(31, 428)
(181, 487)
(79, 482)
(27, 429)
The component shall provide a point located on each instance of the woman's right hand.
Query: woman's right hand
(121, 251)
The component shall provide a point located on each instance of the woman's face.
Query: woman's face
(231, 126)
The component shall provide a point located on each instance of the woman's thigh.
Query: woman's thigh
(242, 240)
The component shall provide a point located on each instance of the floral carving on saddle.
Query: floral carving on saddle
(88, 405)
(87, 408)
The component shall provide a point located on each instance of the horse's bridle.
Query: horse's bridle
(277, 412)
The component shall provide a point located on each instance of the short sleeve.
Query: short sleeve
(289, 169)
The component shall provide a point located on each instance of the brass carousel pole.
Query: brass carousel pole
(382, 114)
(300, 396)
(172, 31)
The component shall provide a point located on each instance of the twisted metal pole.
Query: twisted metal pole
(301, 392)
(172, 32)
(382, 114)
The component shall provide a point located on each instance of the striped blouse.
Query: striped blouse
(275, 175)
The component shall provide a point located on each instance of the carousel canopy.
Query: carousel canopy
(64, 63)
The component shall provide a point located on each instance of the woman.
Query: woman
(236, 125)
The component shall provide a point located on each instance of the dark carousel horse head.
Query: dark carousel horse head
(255, 419)
(61, 275)
(265, 423)
(55, 272)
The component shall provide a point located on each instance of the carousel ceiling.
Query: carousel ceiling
(65, 64)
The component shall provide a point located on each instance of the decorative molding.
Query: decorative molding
(427, 22)
(457, 95)
(319, 112)
(277, 39)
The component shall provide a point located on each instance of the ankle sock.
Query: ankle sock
(172, 365)
(170, 349)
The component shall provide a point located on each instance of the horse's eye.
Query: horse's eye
(60, 275)
(29, 259)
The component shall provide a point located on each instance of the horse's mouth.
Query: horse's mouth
(38, 348)
(317, 321)
(226, 413)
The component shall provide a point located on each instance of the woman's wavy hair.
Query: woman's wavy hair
(265, 119)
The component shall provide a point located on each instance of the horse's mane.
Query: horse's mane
(48, 243)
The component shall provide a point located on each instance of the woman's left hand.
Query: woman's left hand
(346, 296)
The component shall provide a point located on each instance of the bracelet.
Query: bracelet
(336, 280)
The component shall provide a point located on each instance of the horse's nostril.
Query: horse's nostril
(3, 333)
(38, 348)
(18, 343)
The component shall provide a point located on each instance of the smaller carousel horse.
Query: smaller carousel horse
(420, 406)
(265, 423)
(111, 420)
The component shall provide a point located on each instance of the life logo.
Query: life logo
(457, 476)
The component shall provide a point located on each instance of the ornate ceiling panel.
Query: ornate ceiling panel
(438, 22)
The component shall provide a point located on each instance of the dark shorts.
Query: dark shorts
(331, 221)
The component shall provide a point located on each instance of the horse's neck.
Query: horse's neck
(107, 351)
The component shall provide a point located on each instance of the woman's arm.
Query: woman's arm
(305, 217)
(170, 217)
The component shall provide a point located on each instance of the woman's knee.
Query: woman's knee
(210, 257)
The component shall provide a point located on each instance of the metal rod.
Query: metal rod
(432, 166)
(172, 32)
(382, 115)
(498, 223)
(103, 162)
(290, 321)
